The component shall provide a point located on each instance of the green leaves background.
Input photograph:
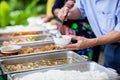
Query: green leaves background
(16, 12)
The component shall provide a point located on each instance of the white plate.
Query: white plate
(10, 49)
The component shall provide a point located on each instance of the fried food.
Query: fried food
(19, 40)
(29, 50)
(24, 33)
(41, 49)
(20, 34)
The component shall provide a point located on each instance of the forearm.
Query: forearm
(109, 38)
(76, 12)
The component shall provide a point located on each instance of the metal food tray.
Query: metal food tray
(34, 45)
(40, 38)
(53, 56)
(11, 37)
(86, 66)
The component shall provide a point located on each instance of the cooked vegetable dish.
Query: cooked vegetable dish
(38, 64)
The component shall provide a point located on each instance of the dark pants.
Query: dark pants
(112, 57)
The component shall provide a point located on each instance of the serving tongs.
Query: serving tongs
(61, 23)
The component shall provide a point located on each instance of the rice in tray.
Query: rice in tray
(66, 75)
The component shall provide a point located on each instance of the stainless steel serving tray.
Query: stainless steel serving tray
(53, 56)
(39, 38)
(10, 37)
(34, 45)
(86, 66)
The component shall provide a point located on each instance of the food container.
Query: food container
(46, 61)
(21, 28)
(25, 39)
(36, 49)
(86, 66)
(15, 34)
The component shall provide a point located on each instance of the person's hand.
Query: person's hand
(69, 3)
(43, 16)
(48, 18)
(82, 42)
(63, 13)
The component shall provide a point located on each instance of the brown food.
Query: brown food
(19, 34)
(9, 54)
(19, 40)
(24, 33)
(40, 64)
(29, 50)
(41, 49)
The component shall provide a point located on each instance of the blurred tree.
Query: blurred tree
(15, 12)
(4, 14)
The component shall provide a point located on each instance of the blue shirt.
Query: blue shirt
(103, 15)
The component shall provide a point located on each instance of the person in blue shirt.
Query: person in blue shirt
(104, 18)
(79, 27)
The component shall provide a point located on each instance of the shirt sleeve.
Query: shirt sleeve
(117, 28)
(79, 4)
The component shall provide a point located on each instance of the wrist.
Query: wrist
(93, 42)
(50, 16)
(56, 12)
(67, 6)
(71, 0)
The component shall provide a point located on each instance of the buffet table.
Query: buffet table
(39, 53)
